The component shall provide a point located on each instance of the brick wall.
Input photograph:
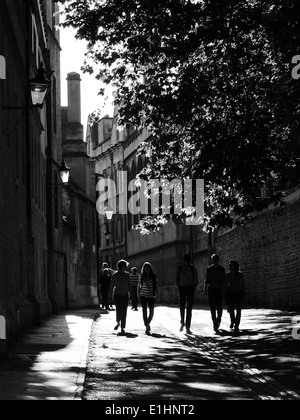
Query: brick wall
(268, 249)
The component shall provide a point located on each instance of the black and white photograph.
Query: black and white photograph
(149, 203)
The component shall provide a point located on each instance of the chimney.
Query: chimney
(74, 98)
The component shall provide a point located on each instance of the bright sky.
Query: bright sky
(72, 59)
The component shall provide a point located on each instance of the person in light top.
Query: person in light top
(148, 292)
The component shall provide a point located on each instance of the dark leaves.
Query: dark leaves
(211, 80)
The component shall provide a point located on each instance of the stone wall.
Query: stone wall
(268, 249)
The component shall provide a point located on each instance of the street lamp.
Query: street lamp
(64, 173)
(39, 87)
(109, 211)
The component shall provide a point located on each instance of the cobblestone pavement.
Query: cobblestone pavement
(259, 364)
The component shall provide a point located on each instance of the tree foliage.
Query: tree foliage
(211, 80)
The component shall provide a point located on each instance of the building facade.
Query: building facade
(47, 230)
(115, 152)
(79, 209)
(27, 38)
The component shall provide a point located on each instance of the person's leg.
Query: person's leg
(145, 314)
(183, 298)
(118, 311)
(102, 299)
(124, 309)
(213, 308)
(220, 307)
(231, 307)
(239, 306)
(105, 299)
(190, 305)
(151, 303)
(135, 298)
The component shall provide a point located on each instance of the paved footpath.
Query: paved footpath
(262, 363)
(49, 362)
(73, 357)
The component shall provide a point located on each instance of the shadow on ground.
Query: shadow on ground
(269, 346)
(153, 368)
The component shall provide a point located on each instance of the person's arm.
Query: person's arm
(225, 283)
(196, 277)
(177, 277)
(243, 283)
(129, 285)
(157, 288)
(112, 286)
(206, 283)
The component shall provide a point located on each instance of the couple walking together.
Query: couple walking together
(121, 290)
(218, 286)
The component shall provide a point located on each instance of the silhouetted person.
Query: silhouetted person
(121, 290)
(148, 292)
(105, 287)
(104, 267)
(215, 286)
(135, 281)
(236, 294)
(187, 282)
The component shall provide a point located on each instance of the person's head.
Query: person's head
(106, 272)
(215, 259)
(134, 270)
(187, 259)
(147, 269)
(234, 267)
(122, 265)
(104, 266)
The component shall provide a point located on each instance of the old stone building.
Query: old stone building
(106, 148)
(115, 152)
(79, 208)
(30, 153)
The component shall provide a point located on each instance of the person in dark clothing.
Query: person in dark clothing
(187, 282)
(135, 281)
(236, 294)
(105, 286)
(104, 267)
(120, 289)
(215, 286)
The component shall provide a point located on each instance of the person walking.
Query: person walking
(148, 292)
(135, 281)
(121, 290)
(236, 294)
(187, 282)
(105, 287)
(100, 295)
(215, 286)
